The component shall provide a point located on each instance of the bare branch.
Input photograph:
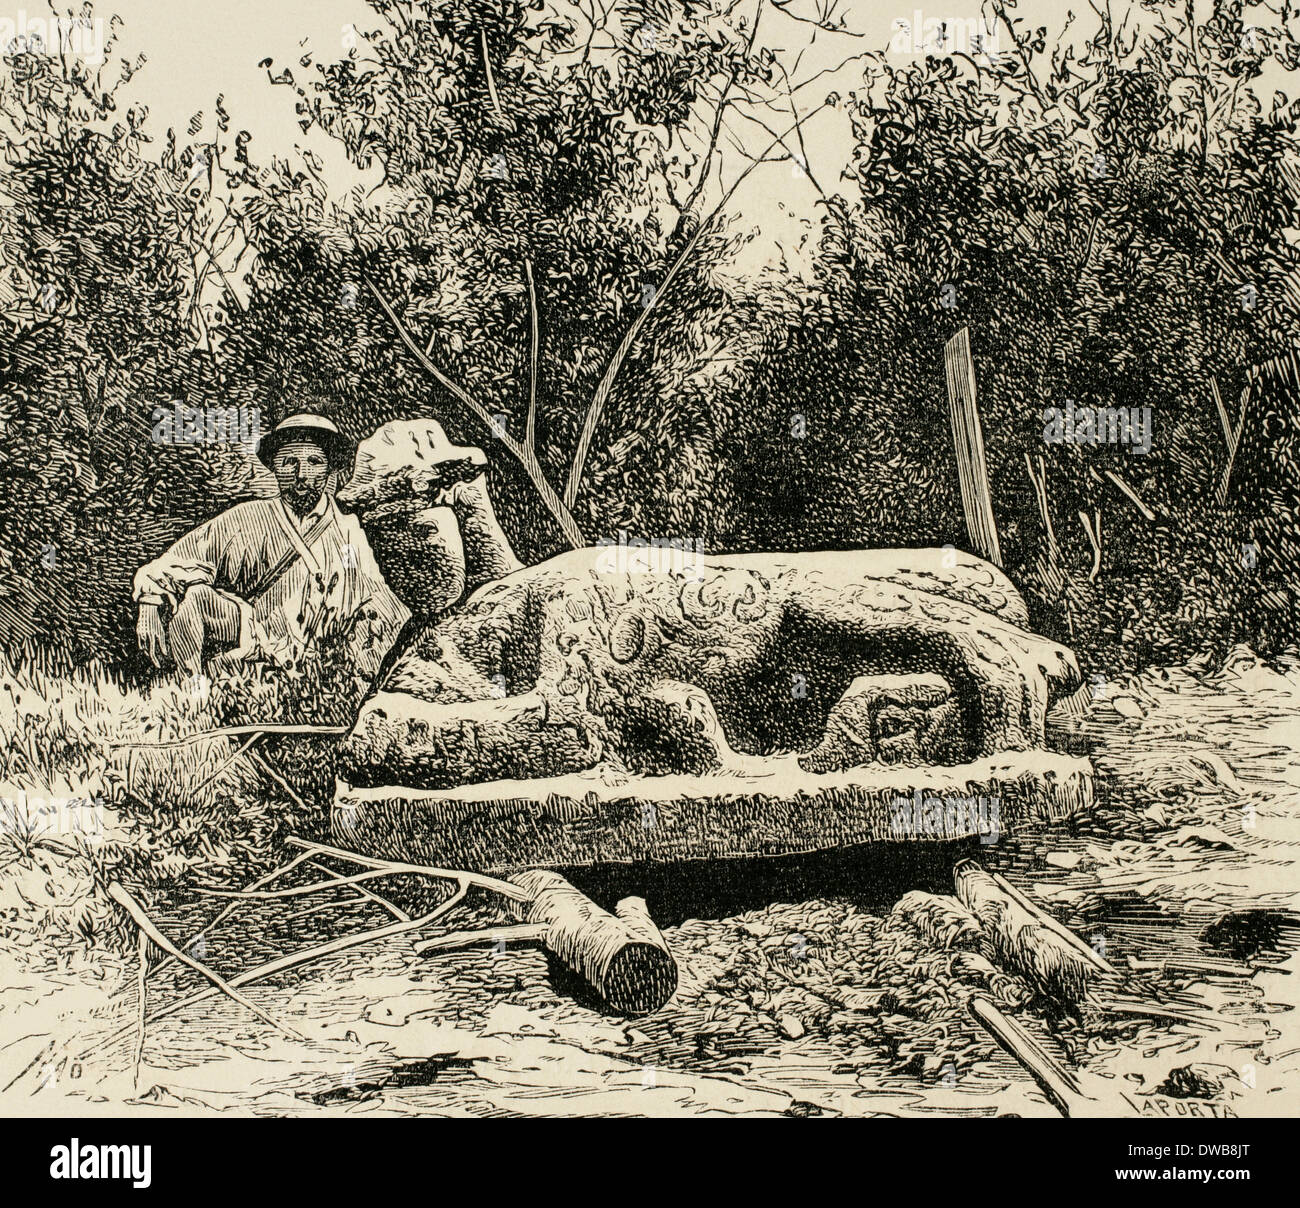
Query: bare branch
(1000, 10)
(801, 159)
(487, 68)
(606, 386)
(718, 114)
(525, 456)
(145, 924)
(530, 424)
(822, 21)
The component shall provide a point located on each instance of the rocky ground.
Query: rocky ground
(803, 992)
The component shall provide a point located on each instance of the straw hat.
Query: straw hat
(304, 426)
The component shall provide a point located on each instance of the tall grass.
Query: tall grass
(87, 795)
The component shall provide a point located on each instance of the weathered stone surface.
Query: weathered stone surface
(890, 719)
(772, 809)
(754, 699)
(562, 666)
(427, 515)
(403, 466)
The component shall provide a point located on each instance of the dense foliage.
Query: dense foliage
(96, 298)
(1111, 220)
(1105, 248)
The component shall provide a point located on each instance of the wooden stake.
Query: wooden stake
(142, 989)
(968, 440)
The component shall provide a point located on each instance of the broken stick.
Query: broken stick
(142, 920)
(1064, 1088)
(1027, 939)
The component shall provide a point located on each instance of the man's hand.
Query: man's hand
(151, 633)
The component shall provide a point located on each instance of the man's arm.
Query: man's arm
(164, 581)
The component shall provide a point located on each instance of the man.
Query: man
(263, 577)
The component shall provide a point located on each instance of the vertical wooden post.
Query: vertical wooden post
(142, 990)
(968, 439)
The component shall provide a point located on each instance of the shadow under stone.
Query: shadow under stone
(873, 877)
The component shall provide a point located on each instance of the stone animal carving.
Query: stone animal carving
(596, 675)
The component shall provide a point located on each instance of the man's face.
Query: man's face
(301, 469)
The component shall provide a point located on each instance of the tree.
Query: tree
(538, 237)
(97, 282)
(1110, 219)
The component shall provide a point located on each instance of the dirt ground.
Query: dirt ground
(801, 992)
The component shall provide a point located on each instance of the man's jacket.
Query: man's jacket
(281, 570)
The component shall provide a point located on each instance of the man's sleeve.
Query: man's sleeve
(193, 559)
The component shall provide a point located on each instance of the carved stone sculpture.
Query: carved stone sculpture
(612, 704)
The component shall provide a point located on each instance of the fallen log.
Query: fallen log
(1028, 940)
(621, 955)
(1010, 992)
(1123, 1004)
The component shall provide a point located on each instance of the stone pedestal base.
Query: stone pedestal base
(771, 807)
